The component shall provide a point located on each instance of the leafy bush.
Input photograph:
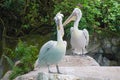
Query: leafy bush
(96, 14)
(27, 56)
(23, 17)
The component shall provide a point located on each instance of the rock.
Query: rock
(6, 76)
(74, 73)
(68, 61)
(69, 52)
(8, 73)
(78, 61)
(71, 61)
(114, 49)
(103, 61)
(93, 48)
(18, 63)
(47, 76)
(113, 63)
(115, 41)
(106, 46)
(117, 55)
(100, 51)
(107, 50)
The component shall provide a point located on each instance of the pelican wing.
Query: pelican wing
(86, 34)
(46, 47)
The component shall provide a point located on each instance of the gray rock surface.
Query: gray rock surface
(103, 61)
(75, 73)
(108, 46)
(74, 68)
(6, 76)
(78, 61)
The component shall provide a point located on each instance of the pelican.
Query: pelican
(52, 52)
(79, 38)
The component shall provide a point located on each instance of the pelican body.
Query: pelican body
(52, 52)
(79, 38)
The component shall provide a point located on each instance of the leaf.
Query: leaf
(9, 61)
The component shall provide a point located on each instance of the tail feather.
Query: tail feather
(36, 65)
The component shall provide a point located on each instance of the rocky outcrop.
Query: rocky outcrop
(77, 61)
(68, 61)
(105, 48)
(6, 76)
(75, 73)
(73, 68)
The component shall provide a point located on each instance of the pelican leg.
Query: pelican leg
(58, 71)
(49, 68)
(83, 53)
(73, 51)
(80, 53)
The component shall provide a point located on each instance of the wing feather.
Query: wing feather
(86, 36)
(46, 47)
(43, 51)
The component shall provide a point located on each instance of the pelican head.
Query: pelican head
(75, 16)
(58, 20)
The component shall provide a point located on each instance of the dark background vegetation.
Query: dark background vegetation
(21, 18)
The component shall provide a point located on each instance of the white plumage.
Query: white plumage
(79, 38)
(52, 52)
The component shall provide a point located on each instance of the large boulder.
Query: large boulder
(78, 61)
(74, 73)
(6, 76)
(68, 61)
(74, 68)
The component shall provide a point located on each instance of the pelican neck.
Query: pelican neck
(76, 24)
(59, 36)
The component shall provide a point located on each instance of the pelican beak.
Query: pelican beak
(72, 17)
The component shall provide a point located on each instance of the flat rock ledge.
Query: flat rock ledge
(75, 73)
(78, 61)
(73, 68)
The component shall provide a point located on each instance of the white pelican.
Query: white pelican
(52, 52)
(79, 38)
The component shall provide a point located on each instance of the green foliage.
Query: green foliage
(9, 61)
(31, 18)
(22, 17)
(14, 5)
(27, 56)
(111, 13)
(26, 16)
(96, 14)
(17, 71)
